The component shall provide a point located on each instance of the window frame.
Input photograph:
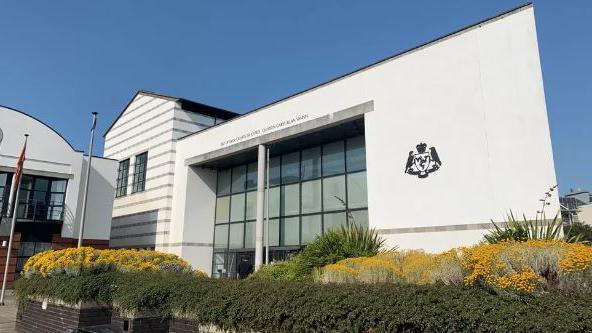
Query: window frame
(122, 174)
(139, 176)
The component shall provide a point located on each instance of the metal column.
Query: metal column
(260, 207)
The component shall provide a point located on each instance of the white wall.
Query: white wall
(476, 96)
(48, 154)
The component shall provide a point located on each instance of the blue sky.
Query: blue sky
(61, 60)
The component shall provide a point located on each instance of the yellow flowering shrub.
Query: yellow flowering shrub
(533, 266)
(75, 261)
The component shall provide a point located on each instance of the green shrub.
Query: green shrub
(575, 229)
(289, 270)
(334, 245)
(523, 230)
(284, 306)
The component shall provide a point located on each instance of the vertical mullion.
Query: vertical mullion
(322, 193)
(346, 180)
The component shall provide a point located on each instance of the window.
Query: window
(291, 168)
(5, 181)
(139, 181)
(333, 158)
(357, 194)
(356, 154)
(311, 196)
(334, 193)
(41, 198)
(311, 163)
(291, 231)
(122, 178)
(311, 191)
(311, 227)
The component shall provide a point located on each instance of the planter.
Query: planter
(37, 316)
(138, 323)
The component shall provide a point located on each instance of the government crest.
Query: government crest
(422, 162)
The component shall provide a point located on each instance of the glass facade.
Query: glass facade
(311, 191)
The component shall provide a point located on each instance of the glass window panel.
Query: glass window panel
(290, 199)
(334, 220)
(56, 199)
(26, 182)
(357, 193)
(250, 235)
(311, 196)
(3, 178)
(291, 168)
(291, 231)
(252, 176)
(274, 202)
(274, 171)
(222, 209)
(237, 207)
(359, 217)
(58, 186)
(356, 154)
(251, 213)
(311, 227)
(224, 182)
(311, 163)
(274, 232)
(219, 265)
(238, 178)
(334, 193)
(41, 184)
(333, 158)
(221, 236)
(237, 231)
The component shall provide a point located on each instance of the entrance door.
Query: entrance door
(245, 264)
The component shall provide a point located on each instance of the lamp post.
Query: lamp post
(90, 150)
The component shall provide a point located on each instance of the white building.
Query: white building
(425, 146)
(51, 191)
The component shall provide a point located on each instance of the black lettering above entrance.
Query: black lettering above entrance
(422, 162)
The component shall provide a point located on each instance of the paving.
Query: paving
(8, 314)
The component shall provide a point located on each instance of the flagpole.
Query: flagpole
(18, 183)
(90, 150)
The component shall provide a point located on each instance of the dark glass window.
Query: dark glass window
(311, 163)
(310, 191)
(333, 158)
(5, 181)
(122, 178)
(41, 198)
(139, 180)
(291, 168)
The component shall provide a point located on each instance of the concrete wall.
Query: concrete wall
(48, 154)
(477, 96)
(148, 124)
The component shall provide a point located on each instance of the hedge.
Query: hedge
(281, 306)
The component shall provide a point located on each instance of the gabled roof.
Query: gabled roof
(186, 105)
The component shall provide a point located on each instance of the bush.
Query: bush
(409, 266)
(274, 306)
(517, 267)
(584, 230)
(523, 230)
(87, 260)
(334, 245)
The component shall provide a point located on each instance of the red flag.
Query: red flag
(19, 166)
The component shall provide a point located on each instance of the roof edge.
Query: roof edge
(431, 42)
(183, 101)
(43, 123)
